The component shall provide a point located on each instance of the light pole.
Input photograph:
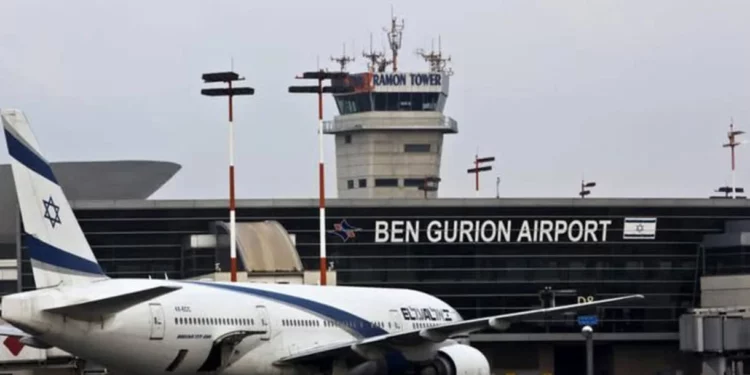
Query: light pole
(588, 333)
(732, 135)
(727, 190)
(477, 169)
(586, 185)
(319, 89)
(231, 92)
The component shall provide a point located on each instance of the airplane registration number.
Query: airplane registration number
(184, 309)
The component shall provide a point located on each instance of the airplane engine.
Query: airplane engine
(457, 359)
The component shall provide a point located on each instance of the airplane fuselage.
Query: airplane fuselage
(182, 332)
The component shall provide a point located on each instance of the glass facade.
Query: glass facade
(483, 260)
(368, 102)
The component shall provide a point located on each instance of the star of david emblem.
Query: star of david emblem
(54, 215)
(639, 228)
(344, 231)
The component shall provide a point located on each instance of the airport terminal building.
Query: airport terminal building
(483, 256)
(389, 229)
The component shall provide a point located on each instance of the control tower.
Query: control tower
(389, 131)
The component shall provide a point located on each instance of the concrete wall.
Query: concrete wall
(725, 291)
(372, 155)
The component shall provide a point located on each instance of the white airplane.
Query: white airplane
(142, 326)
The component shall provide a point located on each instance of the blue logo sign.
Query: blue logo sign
(344, 231)
(588, 320)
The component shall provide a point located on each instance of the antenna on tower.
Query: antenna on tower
(394, 37)
(438, 63)
(343, 60)
(376, 59)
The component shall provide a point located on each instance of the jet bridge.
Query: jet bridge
(266, 252)
(266, 246)
(721, 335)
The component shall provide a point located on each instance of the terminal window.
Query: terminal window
(350, 184)
(413, 182)
(417, 147)
(362, 182)
(354, 103)
(386, 182)
(405, 101)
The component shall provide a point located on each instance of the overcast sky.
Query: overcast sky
(635, 94)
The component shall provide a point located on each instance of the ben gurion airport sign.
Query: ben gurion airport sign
(510, 231)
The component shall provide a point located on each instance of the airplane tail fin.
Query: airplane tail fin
(59, 252)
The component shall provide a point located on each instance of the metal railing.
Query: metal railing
(443, 123)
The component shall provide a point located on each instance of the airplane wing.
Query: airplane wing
(110, 304)
(434, 334)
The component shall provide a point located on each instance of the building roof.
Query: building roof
(96, 180)
(442, 202)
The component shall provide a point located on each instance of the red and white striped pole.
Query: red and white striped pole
(477, 169)
(340, 87)
(476, 175)
(321, 187)
(231, 92)
(232, 229)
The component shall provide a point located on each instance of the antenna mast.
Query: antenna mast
(438, 63)
(394, 37)
(732, 136)
(376, 59)
(343, 60)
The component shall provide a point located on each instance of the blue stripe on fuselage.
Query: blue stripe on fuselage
(395, 360)
(361, 326)
(19, 151)
(46, 253)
